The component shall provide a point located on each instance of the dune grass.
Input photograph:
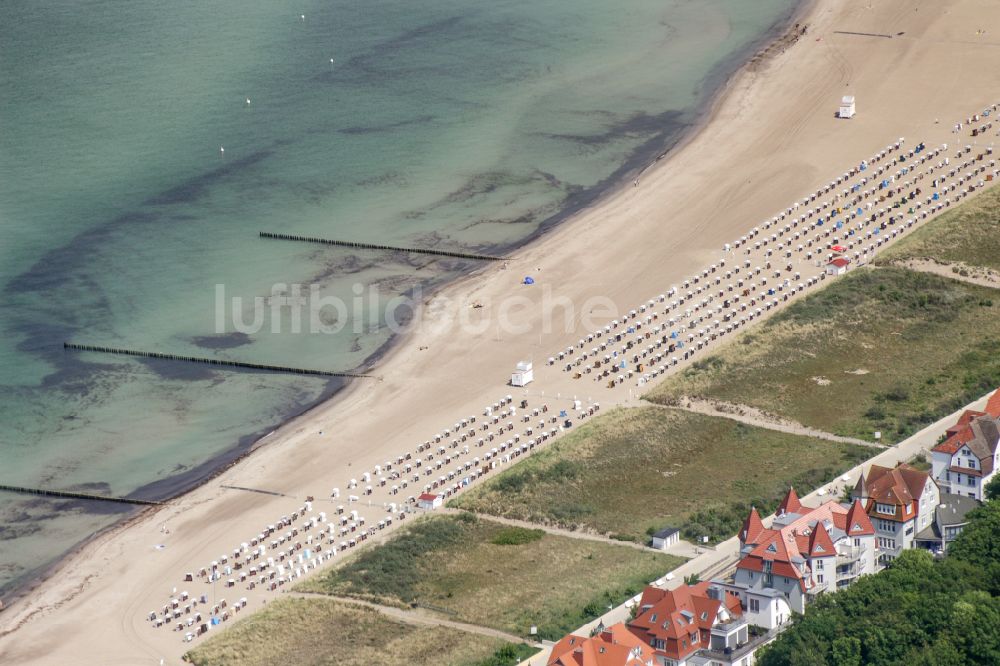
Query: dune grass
(969, 234)
(317, 631)
(632, 471)
(886, 350)
(453, 565)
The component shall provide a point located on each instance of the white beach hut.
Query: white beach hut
(523, 374)
(847, 107)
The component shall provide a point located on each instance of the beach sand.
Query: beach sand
(772, 137)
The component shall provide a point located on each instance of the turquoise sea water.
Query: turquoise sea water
(455, 123)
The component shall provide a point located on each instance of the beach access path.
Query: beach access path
(755, 417)
(417, 616)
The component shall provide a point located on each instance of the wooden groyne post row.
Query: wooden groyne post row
(65, 494)
(212, 361)
(372, 246)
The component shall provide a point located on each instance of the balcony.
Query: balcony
(847, 572)
(848, 555)
(734, 654)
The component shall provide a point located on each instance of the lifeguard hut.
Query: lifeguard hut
(847, 108)
(523, 374)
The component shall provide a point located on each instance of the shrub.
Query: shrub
(516, 536)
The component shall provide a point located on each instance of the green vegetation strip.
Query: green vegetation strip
(632, 471)
(880, 350)
(919, 612)
(969, 234)
(324, 631)
(482, 572)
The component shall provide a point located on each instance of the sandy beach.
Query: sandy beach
(771, 138)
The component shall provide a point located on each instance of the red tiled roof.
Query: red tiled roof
(820, 543)
(615, 646)
(993, 405)
(428, 496)
(839, 262)
(959, 434)
(899, 487)
(752, 527)
(966, 470)
(857, 523)
(790, 504)
(674, 615)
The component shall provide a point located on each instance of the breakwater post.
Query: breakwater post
(390, 248)
(65, 494)
(212, 361)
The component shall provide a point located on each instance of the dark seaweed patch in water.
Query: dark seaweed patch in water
(639, 124)
(195, 188)
(375, 62)
(388, 127)
(56, 268)
(222, 340)
(38, 293)
(181, 370)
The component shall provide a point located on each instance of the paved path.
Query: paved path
(419, 616)
(755, 417)
(715, 563)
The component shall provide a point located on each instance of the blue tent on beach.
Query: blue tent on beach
(529, 280)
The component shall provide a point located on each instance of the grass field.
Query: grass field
(886, 350)
(479, 571)
(632, 471)
(311, 632)
(969, 234)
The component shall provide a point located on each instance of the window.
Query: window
(971, 480)
(947, 475)
(819, 565)
(887, 509)
(820, 578)
(754, 605)
(694, 638)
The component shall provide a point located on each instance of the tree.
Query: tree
(992, 489)
(979, 541)
(975, 622)
(847, 651)
(942, 653)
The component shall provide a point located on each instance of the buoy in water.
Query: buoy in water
(221, 149)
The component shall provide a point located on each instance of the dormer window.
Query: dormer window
(887, 509)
